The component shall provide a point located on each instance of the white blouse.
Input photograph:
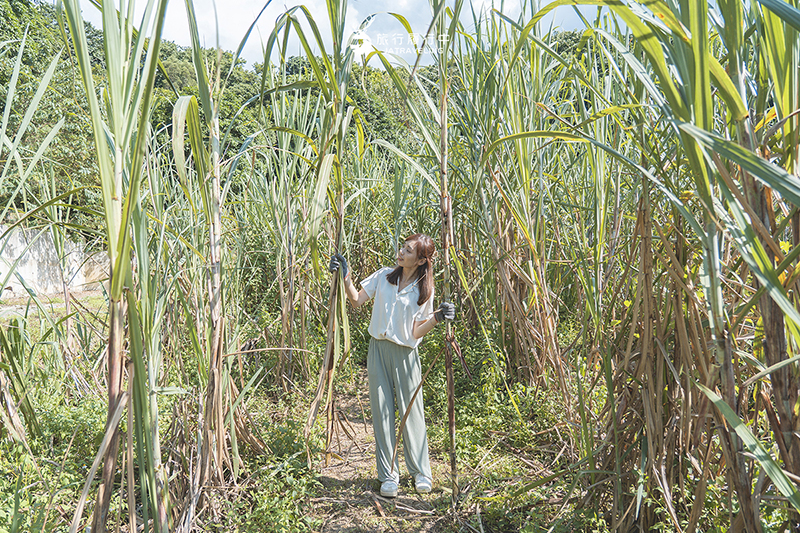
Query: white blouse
(394, 312)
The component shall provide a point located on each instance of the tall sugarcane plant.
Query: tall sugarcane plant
(687, 110)
(278, 200)
(214, 453)
(121, 131)
(202, 184)
(444, 36)
(332, 76)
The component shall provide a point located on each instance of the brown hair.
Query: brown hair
(425, 249)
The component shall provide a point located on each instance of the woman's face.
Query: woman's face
(407, 256)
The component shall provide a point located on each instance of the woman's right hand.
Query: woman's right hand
(338, 262)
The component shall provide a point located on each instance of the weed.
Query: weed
(278, 499)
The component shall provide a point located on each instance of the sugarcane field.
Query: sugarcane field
(436, 266)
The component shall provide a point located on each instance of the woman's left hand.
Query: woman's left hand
(446, 311)
(338, 262)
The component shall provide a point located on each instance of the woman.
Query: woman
(402, 314)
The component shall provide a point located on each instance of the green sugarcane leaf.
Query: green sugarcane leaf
(249, 386)
(300, 134)
(433, 108)
(329, 73)
(194, 335)
(16, 516)
(280, 24)
(361, 143)
(244, 40)
(769, 370)
(45, 144)
(408, 159)
(78, 34)
(319, 205)
(409, 30)
(187, 112)
(171, 391)
(200, 155)
(767, 173)
(34, 103)
(701, 86)
(544, 134)
(199, 65)
(12, 87)
(234, 442)
(754, 446)
(727, 90)
(786, 11)
(183, 106)
(756, 257)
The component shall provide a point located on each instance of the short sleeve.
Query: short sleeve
(370, 283)
(425, 310)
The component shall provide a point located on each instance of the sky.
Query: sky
(233, 17)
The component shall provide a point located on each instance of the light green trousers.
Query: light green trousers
(394, 374)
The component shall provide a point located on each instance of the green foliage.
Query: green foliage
(177, 61)
(76, 423)
(17, 359)
(384, 114)
(280, 501)
(22, 502)
(70, 155)
(285, 440)
(39, 20)
(257, 271)
(31, 486)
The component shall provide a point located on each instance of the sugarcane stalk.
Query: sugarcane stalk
(447, 232)
(214, 421)
(328, 368)
(114, 362)
(333, 335)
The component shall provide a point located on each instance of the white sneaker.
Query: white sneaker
(422, 483)
(389, 489)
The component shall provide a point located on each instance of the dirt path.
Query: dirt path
(351, 500)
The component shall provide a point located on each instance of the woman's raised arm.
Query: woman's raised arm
(357, 298)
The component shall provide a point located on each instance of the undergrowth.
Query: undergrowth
(512, 450)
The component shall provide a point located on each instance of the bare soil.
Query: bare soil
(351, 500)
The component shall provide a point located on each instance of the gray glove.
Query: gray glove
(446, 311)
(338, 262)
